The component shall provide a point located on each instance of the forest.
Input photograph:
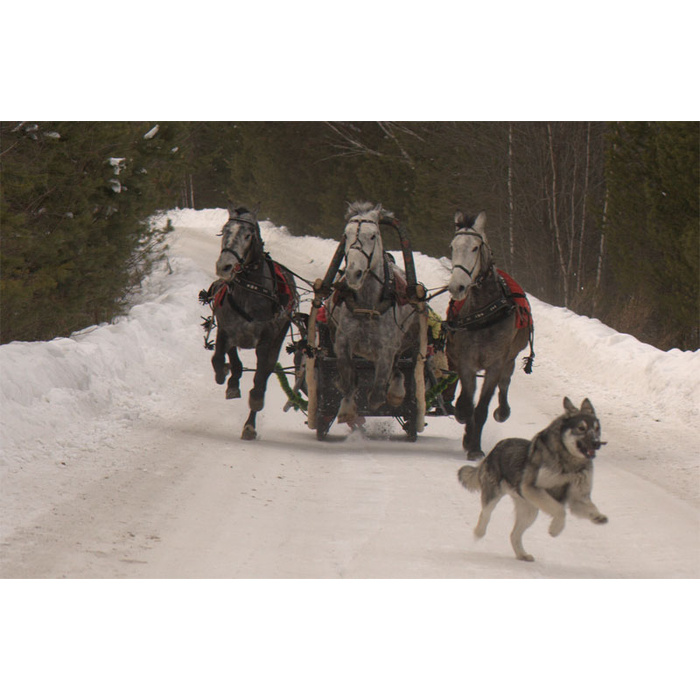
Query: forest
(600, 217)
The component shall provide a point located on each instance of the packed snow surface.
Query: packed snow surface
(121, 457)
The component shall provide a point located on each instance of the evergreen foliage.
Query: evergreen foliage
(602, 218)
(652, 227)
(76, 198)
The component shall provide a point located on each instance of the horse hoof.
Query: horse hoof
(347, 418)
(501, 415)
(248, 433)
(221, 373)
(233, 392)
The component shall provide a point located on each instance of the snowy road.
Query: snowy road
(158, 484)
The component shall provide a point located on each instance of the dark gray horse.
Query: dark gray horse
(366, 317)
(254, 299)
(486, 329)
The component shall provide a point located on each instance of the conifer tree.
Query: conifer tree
(76, 198)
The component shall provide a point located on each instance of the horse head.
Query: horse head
(363, 242)
(471, 255)
(241, 243)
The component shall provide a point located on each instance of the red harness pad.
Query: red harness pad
(523, 313)
(522, 308)
(220, 294)
(284, 291)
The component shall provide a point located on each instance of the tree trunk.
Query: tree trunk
(555, 218)
(511, 237)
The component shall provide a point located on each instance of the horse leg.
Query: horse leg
(381, 393)
(347, 384)
(266, 355)
(218, 360)
(502, 413)
(473, 436)
(396, 392)
(464, 408)
(233, 387)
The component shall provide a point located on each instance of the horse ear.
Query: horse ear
(587, 407)
(569, 406)
(459, 219)
(231, 209)
(480, 223)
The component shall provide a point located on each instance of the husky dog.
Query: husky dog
(549, 472)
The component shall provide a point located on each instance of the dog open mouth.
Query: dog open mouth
(588, 450)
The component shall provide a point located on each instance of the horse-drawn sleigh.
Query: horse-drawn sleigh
(364, 344)
(367, 331)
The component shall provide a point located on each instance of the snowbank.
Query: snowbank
(50, 392)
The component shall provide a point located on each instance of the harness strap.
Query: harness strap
(483, 317)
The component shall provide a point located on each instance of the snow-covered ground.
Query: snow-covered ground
(121, 457)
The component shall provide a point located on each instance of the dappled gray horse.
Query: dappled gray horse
(486, 329)
(253, 301)
(366, 316)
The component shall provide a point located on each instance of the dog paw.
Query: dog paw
(526, 557)
(557, 526)
(599, 519)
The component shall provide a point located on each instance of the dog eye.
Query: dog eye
(582, 427)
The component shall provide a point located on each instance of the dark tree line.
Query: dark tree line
(599, 217)
(75, 203)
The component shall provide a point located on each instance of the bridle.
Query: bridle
(482, 243)
(357, 245)
(243, 261)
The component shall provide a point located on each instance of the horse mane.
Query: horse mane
(358, 208)
(464, 220)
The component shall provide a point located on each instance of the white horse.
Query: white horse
(367, 317)
(483, 329)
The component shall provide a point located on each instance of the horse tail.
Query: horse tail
(469, 478)
(530, 359)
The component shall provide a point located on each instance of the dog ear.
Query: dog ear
(587, 407)
(569, 406)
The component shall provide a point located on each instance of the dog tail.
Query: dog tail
(469, 478)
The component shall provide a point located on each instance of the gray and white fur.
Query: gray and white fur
(551, 472)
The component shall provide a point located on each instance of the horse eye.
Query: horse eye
(475, 249)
